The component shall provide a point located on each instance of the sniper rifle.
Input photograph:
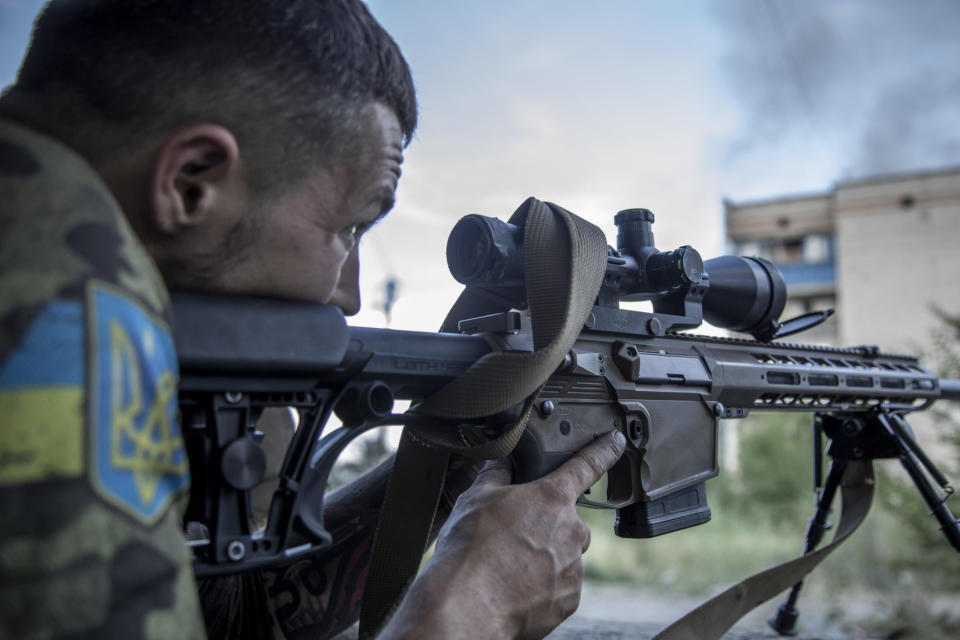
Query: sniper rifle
(628, 370)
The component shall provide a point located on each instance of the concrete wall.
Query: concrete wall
(898, 250)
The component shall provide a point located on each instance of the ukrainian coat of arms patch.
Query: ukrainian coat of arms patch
(138, 459)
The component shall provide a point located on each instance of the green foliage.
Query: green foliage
(773, 481)
(694, 561)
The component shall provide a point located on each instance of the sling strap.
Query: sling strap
(713, 618)
(403, 529)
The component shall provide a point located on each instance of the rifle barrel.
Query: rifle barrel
(950, 390)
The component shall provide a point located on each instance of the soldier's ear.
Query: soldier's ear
(196, 175)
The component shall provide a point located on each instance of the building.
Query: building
(883, 251)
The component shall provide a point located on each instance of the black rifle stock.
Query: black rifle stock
(628, 370)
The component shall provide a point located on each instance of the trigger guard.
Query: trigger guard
(584, 501)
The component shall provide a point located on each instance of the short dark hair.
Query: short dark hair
(289, 78)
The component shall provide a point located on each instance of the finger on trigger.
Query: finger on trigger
(589, 464)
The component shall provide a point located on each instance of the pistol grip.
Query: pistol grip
(530, 461)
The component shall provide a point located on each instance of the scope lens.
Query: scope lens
(467, 249)
(485, 251)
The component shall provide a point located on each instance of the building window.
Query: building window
(816, 248)
(788, 251)
(811, 249)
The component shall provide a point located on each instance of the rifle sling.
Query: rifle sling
(564, 264)
(716, 616)
(403, 529)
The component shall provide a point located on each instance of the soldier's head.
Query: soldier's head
(248, 142)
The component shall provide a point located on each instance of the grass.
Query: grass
(693, 561)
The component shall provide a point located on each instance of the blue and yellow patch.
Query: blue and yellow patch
(137, 457)
(41, 399)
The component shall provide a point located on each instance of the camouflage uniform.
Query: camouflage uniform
(93, 472)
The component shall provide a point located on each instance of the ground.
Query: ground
(617, 612)
(613, 612)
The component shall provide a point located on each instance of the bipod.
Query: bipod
(918, 466)
(878, 434)
(785, 621)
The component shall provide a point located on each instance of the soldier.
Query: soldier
(216, 146)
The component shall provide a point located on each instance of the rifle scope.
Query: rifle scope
(730, 292)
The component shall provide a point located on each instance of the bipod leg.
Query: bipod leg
(914, 460)
(785, 622)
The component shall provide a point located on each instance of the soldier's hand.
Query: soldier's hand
(508, 562)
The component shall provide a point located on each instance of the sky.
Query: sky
(616, 104)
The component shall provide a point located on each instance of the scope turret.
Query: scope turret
(660, 271)
(634, 229)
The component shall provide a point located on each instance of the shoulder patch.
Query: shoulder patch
(41, 398)
(138, 461)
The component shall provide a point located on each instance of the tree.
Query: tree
(773, 481)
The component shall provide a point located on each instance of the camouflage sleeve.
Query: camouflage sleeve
(92, 466)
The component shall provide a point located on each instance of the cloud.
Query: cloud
(877, 80)
(914, 123)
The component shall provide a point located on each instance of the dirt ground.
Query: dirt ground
(614, 612)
